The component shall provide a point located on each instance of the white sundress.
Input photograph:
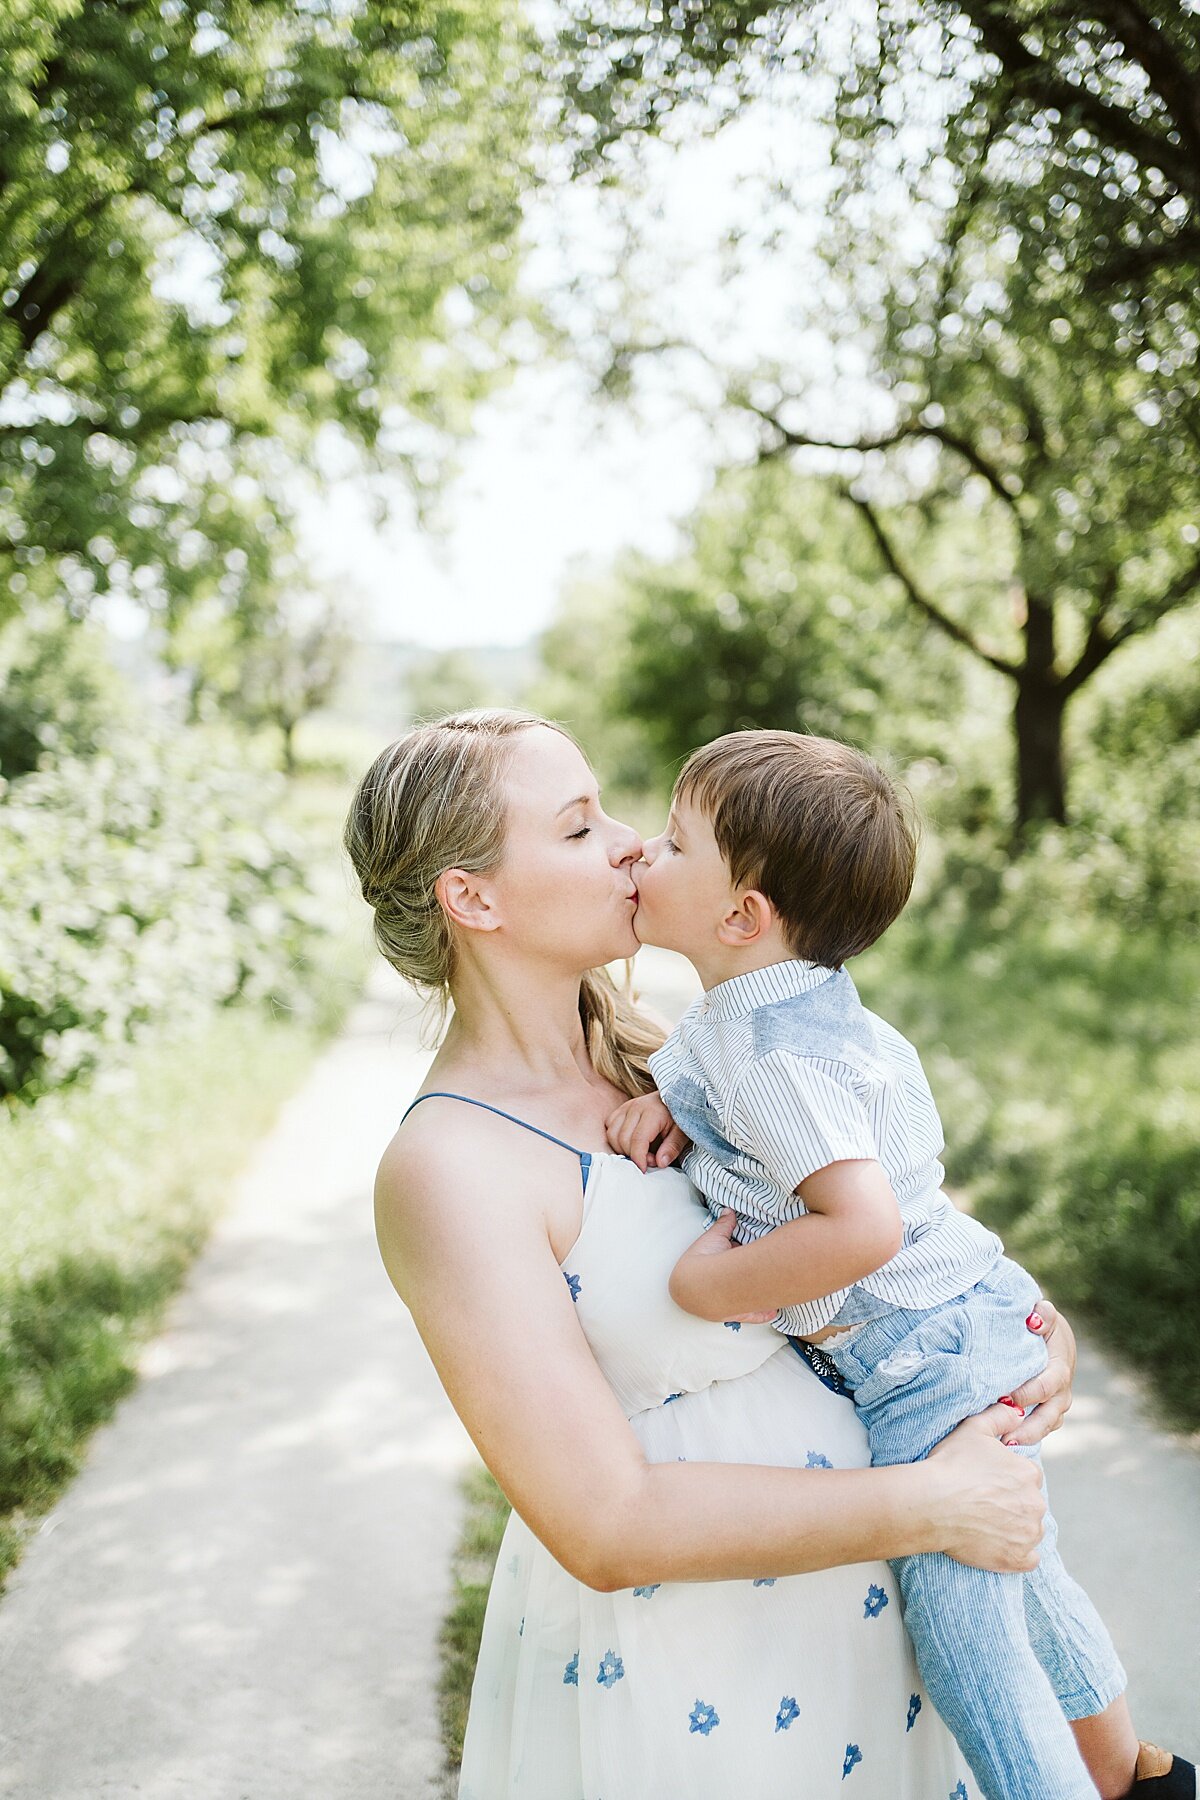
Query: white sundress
(800, 1687)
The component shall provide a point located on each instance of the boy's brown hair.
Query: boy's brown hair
(814, 825)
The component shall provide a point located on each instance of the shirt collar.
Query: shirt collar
(763, 987)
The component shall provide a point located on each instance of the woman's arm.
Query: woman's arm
(471, 1257)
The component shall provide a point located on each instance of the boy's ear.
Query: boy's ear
(465, 901)
(748, 922)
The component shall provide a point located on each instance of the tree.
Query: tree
(1105, 95)
(1082, 439)
(235, 224)
(444, 682)
(270, 666)
(772, 615)
(1036, 355)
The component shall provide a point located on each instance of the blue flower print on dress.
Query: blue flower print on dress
(574, 1283)
(914, 1707)
(571, 1672)
(815, 1460)
(670, 1397)
(514, 1564)
(521, 1627)
(703, 1717)
(611, 1669)
(853, 1755)
(644, 1593)
(960, 1791)
(874, 1603)
(765, 1580)
(788, 1711)
(733, 1324)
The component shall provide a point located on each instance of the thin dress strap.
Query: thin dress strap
(585, 1156)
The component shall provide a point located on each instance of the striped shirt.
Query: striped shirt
(782, 1071)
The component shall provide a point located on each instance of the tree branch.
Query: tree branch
(1099, 643)
(902, 433)
(1147, 43)
(1172, 596)
(1134, 261)
(921, 601)
(1030, 76)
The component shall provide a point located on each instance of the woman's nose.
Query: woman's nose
(629, 848)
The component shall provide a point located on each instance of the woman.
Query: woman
(680, 1606)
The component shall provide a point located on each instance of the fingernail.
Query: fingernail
(1034, 1321)
(1007, 1400)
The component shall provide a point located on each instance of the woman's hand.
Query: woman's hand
(991, 1510)
(1049, 1393)
(639, 1123)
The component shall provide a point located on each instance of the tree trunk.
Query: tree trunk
(288, 728)
(1038, 723)
(1041, 776)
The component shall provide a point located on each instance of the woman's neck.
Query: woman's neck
(521, 1026)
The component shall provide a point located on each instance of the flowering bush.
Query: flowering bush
(142, 885)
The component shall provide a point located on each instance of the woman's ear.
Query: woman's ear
(749, 921)
(465, 900)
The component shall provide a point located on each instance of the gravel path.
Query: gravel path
(239, 1597)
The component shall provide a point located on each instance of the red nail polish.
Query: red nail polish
(1034, 1321)
(1007, 1400)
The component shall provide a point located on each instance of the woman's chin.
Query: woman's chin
(641, 928)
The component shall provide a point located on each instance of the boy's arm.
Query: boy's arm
(637, 1124)
(851, 1227)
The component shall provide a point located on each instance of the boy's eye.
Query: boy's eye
(670, 844)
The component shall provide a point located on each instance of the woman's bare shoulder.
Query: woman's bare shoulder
(449, 1170)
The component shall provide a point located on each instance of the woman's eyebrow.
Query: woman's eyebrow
(579, 800)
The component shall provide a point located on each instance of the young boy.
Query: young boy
(815, 1141)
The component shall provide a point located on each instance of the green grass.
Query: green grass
(483, 1527)
(1066, 1067)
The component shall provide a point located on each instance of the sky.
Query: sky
(547, 479)
(550, 478)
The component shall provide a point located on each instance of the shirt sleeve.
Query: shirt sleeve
(797, 1114)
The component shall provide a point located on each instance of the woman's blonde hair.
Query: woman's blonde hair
(435, 800)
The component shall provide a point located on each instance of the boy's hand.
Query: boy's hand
(690, 1284)
(638, 1124)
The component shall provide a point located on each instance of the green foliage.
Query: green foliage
(225, 226)
(59, 692)
(1099, 96)
(1062, 1054)
(1013, 229)
(448, 681)
(583, 654)
(772, 616)
(106, 1192)
(270, 667)
(146, 883)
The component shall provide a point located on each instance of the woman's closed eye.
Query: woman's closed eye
(581, 833)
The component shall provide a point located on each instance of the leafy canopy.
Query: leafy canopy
(226, 223)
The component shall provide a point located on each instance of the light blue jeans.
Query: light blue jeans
(1007, 1659)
